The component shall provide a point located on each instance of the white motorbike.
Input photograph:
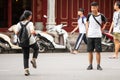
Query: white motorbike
(46, 41)
(8, 41)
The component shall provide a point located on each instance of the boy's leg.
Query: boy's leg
(98, 57)
(78, 42)
(117, 46)
(98, 48)
(90, 57)
(90, 49)
(85, 39)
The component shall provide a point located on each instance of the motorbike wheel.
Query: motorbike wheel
(42, 48)
(107, 48)
(104, 48)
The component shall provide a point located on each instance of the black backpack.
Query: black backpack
(23, 36)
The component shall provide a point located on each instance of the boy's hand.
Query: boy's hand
(102, 29)
(109, 32)
(111, 27)
(71, 32)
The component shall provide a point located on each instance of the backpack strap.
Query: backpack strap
(24, 24)
(96, 20)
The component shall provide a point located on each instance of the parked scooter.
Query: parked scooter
(8, 41)
(46, 41)
(107, 41)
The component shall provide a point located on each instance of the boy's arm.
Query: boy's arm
(104, 26)
(87, 25)
(104, 20)
(111, 27)
(74, 29)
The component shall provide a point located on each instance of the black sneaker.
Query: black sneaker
(90, 67)
(27, 73)
(99, 67)
(33, 62)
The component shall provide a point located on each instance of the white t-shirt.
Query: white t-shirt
(81, 24)
(94, 29)
(116, 21)
(30, 27)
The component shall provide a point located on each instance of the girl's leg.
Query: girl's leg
(26, 57)
(35, 54)
(26, 60)
(35, 48)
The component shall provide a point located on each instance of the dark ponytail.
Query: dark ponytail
(25, 15)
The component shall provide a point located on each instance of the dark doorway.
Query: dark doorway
(18, 6)
(3, 13)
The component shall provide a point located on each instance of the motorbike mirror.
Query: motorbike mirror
(45, 16)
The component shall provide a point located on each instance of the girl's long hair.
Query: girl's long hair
(25, 15)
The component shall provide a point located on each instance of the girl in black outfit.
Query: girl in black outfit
(25, 20)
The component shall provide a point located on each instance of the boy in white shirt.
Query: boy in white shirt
(116, 29)
(94, 22)
(82, 30)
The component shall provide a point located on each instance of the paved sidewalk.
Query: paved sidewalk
(59, 66)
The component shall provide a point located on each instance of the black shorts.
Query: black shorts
(94, 44)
